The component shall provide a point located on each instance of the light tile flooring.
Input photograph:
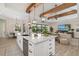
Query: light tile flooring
(66, 50)
(8, 47)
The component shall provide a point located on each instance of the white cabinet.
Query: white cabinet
(51, 46)
(41, 48)
(30, 48)
(20, 41)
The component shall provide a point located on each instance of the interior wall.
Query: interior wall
(70, 19)
(2, 28)
(73, 22)
(10, 24)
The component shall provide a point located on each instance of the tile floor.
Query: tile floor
(8, 47)
(66, 50)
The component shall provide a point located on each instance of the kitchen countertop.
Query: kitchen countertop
(36, 40)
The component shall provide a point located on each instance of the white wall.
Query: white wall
(2, 28)
(74, 23)
(10, 24)
(10, 15)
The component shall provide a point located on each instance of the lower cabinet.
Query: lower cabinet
(20, 41)
(46, 48)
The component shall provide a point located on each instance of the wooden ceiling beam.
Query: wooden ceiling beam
(58, 8)
(28, 10)
(63, 14)
(31, 7)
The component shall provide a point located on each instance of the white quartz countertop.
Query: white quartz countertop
(38, 39)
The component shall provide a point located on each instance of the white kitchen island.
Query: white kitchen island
(34, 46)
(43, 46)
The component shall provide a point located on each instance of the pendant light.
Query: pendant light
(34, 21)
(43, 18)
(16, 23)
(29, 24)
(55, 13)
(29, 20)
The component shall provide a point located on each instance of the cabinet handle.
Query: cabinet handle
(50, 52)
(30, 51)
(30, 44)
(50, 48)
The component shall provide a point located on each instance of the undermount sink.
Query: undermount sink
(25, 35)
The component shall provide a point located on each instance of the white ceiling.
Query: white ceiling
(13, 10)
(17, 6)
(18, 10)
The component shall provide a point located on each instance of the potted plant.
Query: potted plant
(45, 31)
(34, 30)
(51, 29)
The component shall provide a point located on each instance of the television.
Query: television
(64, 27)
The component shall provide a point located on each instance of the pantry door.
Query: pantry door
(2, 29)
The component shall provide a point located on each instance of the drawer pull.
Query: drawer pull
(50, 52)
(30, 51)
(50, 48)
(30, 44)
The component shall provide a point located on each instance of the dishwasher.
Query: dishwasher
(25, 47)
